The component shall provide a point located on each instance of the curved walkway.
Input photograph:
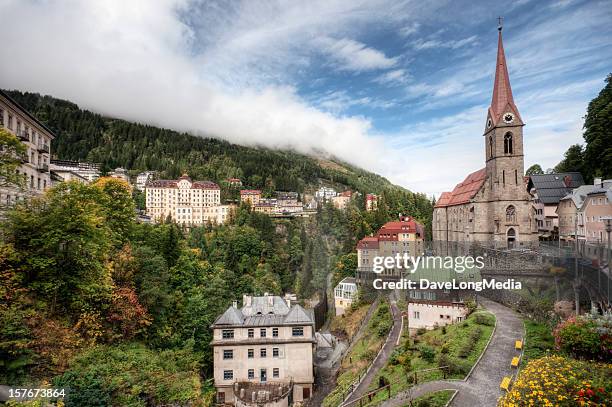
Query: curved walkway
(482, 387)
(383, 356)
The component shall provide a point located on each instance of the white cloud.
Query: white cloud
(352, 55)
(395, 77)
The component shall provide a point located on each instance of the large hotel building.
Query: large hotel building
(37, 138)
(186, 202)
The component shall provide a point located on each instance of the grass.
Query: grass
(538, 341)
(347, 325)
(362, 354)
(435, 399)
(413, 354)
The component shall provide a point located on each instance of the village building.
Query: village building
(405, 236)
(325, 193)
(85, 170)
(371, 202)
(36, 137)
(120, 173)
(186, 202)
(234, 182)
(582, 213)
(492, 205)
(252, 196)
(546, 191)
(344, 294)
(342, 200)
(143, 178)
(430, 314)
(263, 352)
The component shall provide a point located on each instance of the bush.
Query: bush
(444, 349)
(468, 347)
(579, 337)
(455, 366)
(482, 318)
(421, 331)
(427, 353)
(444, 330)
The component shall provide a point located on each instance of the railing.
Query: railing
(43, 168)
(22, 135)
(43, 148)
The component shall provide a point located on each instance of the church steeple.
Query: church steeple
(502, 101)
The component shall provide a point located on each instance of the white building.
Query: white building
(120, 173)
(325, 193)
(344, 294)
(37, 139)
(263, 352)
(186, 202)
(430, 314)
(85, 170)
(143, 178)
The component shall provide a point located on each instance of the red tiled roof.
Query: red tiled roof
(346, 194)
(464, 191)
(370, 197)
(250, 192)
(369, 242)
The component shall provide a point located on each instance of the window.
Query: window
(490, 147)
(1, 118)
(251, 353)
(228, 354)
(228, 374)
(416, 314)
(251, 373)
(251, 333)
(511, 214)
(441, 316)
(262, 332)
(508, 143)
(275, 352)
(275, 372)
(262, 352)
(227, 334)
(275, 332)
(297, 331)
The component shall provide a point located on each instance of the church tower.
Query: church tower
(503, 133)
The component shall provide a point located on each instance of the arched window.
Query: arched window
(511, 214)
(508, 143)
(490, 147)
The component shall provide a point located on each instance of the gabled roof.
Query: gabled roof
(297, 315)
(464, 191)
(368, 242)
(231, 316)
(265, 311)
(552, 187)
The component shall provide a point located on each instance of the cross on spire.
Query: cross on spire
(500, 22)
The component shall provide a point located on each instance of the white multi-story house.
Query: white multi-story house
(344, 294)
(88, 171)
(186, 202)
(325, 193)
(143, 178)
(263, 352)
(120, 173)
(37, 138)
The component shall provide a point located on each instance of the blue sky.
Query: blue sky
(397, 87)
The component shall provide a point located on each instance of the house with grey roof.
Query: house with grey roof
(263, 352)
(546, 191)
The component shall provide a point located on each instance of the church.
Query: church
(492, 206)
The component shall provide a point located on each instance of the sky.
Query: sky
(400, 88)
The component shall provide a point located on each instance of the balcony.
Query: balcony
(43, 167)
(43, 148)
(22, 135)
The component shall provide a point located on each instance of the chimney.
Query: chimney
(246, 300)
(288, 302)
(235, 304)
(270, 299)
(597, 182)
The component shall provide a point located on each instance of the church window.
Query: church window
(508, 143)
(511, 214)
(490, 147)
(504, 177)
(515, 177)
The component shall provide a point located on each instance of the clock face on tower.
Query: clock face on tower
(508, 117)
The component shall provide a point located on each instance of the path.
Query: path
(482, 387)
(383, 356)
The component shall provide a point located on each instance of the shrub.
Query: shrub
(482, 318)
(427, 353)
(468, 347)
(444, 330)
(578, 337)
(444, 349)
(421, 331)
(455, 366)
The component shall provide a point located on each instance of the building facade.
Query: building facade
(492, 205)
(186, 202)
(405, 236)
(342, 200)
(88, 171)
(252, 196)
(325, 193)
(37, 138)
(264, 351)
(431, 314)
(143, 178)
(344, 294)
(371, 202)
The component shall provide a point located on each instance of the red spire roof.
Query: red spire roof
(464, 191)
(502, 91)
